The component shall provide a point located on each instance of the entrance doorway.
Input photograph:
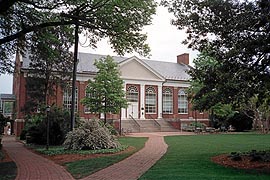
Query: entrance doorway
(133, 110)
(133, 102)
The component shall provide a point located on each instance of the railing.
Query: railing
(155, 121)
(137, 124)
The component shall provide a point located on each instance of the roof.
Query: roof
(86, 61)
(168, 70)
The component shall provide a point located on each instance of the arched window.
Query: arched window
(167, 101)
(150, 100)
(67, 98)
(182, 102)
(132, 94)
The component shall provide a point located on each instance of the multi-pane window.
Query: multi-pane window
(87, 94)
(150, 100)
(182, 102)
(132, 94)
(167, 101)
(67, 98)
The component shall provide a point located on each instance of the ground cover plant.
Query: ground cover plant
(189, 157)
(82, 168)
(59, 150)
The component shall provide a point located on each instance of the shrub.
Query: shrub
(90, 135)
(235, 156)
(241, 121)
(255, 156)
(110, 127)
(35, 130)
(3, 122)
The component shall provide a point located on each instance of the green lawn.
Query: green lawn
(188, 157)
(82, 168)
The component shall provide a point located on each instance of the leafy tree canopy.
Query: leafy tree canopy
(234, 33)
(120, 21)
(105, 93)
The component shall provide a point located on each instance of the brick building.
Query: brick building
(155, 90)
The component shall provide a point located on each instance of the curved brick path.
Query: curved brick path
(31, 166)
(34, 167)
(134, 166)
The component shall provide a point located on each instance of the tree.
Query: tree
(106, 94)
(49, 64)
(236, 35)
(120, 21)
(209, 95)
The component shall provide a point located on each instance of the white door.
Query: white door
(133, 110)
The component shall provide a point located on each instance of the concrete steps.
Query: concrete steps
(166, 126)
(129, 126)
(160, 125)
(148, 126)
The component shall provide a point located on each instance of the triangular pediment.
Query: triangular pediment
(134, 68)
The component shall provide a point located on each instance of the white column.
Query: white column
(123, 113)
(123, 110)
(142, 98)
(159, 102)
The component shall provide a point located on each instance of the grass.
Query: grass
(83, 168)
(189, 157)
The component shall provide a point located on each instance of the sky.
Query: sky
(163, 39)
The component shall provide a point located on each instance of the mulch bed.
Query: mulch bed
(245, 163)
(64, 158)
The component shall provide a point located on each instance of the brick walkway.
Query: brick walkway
(137, 164)
(34, 167)
(31, 166)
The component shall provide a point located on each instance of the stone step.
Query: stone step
(159, 125)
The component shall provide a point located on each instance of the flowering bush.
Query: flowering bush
(90, 135)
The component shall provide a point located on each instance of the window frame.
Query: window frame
(150, 92)
(182, 101)
(167, 99)
(131, 94)
(67, 98)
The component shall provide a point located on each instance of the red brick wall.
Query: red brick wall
(18, 127)
(183, 58)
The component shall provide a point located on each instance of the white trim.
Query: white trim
(142, 98)
(193, 120)
(177, 84)
(84, 77)
(159, 102)
(129, 78)
(143, 64)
